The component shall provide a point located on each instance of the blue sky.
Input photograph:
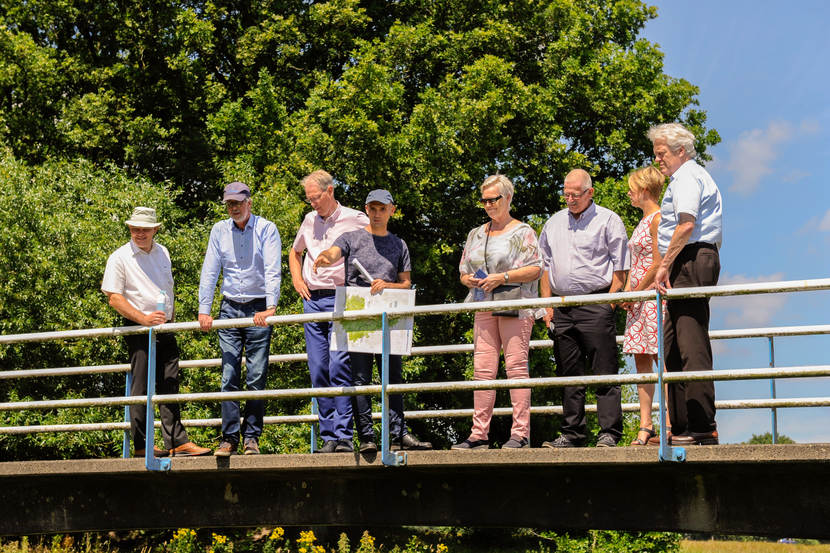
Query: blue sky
(764, 77)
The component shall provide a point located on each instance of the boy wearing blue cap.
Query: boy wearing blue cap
(385, 258)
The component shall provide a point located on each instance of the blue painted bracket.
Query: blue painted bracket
(389, 458)
(150, 460)
(314, 425)
(666, 452)
(125, 442)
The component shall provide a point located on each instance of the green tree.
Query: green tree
(766, 438)
(423, 98)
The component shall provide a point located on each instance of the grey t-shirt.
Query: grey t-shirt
(382, 256)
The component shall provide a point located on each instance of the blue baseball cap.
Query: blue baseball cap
(380, 196)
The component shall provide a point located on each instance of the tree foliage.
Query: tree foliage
(105, 105)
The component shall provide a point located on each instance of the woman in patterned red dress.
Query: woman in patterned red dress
(644, 189)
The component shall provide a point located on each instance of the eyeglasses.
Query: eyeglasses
(316, 198)
(490, 201)
(140, 230)
(569, 196)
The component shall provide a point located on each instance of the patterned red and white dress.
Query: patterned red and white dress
(641, 322)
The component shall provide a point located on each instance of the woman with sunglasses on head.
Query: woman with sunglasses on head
(501, 260)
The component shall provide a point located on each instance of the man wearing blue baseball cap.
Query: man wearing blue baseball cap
(246, 249)
(385, 258)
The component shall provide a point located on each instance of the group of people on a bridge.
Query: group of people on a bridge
(582, 249)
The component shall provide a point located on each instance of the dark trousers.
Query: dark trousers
(584, 341)
(686, 339)
(167, 382)
(362, 375)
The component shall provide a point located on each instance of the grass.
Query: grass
(688, 546)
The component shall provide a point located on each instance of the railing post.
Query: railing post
(387, 457)
(150, 460)
(666, 452)
(125, 442)
(314, 412)
(773, 410)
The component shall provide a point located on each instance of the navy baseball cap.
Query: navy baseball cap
(380, 196)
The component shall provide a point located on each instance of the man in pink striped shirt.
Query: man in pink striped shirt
(317, 233)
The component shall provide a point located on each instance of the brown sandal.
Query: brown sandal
(651, 434)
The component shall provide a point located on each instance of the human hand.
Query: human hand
(154, 318)
(661, 280)
(260, 316)
(378, 286)
(548, 316)
(205, 322)
(491, 282)
(301, 288)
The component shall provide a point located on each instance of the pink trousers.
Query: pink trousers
(492, 335)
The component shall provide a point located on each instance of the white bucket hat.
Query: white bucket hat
(143, 217)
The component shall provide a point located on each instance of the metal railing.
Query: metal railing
(665, 451)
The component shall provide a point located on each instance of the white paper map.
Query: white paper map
(364, 335)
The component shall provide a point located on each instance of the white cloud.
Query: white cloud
(809, 126)
(794, 176)
(756, 310)
(753, 153)
(824, 225)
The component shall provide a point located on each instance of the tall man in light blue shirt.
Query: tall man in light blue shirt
(246, 249)
(689, 235)
(584, 251)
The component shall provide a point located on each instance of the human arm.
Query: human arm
(545, 292)
(211, 266)
(517, 276)
(126, 309)
(617, 281)
(404, 283)
(272, 260)
(327, 257)
(648, 278)
(679, 239)
(295, 266)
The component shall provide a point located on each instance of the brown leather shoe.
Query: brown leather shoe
(695, 438)
(157, 452)
(189, 449)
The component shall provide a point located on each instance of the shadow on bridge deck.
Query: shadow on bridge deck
(781, 490)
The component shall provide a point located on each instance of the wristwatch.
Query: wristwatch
(506, 277)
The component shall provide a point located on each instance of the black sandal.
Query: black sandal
(651, 434)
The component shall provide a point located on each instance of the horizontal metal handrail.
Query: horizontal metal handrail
(765, 332)
(435, 309)
(459, 385)
(421, 414)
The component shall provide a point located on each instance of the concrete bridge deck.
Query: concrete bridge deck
(781, 490)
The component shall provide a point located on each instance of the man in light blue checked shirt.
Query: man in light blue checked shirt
(246, 249)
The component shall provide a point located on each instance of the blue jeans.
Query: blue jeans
(328, 368)
(256, 342)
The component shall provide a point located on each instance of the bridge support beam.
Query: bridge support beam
(776, 491)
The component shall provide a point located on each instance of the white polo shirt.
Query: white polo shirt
(140, 276)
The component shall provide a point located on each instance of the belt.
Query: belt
(234, 302)
(322, 293)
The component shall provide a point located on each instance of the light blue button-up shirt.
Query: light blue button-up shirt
(249, 260)
(691, 190)
(581, 255)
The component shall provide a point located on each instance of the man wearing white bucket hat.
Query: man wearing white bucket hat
(137, 274)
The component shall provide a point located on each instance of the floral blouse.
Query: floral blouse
(515, 248)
